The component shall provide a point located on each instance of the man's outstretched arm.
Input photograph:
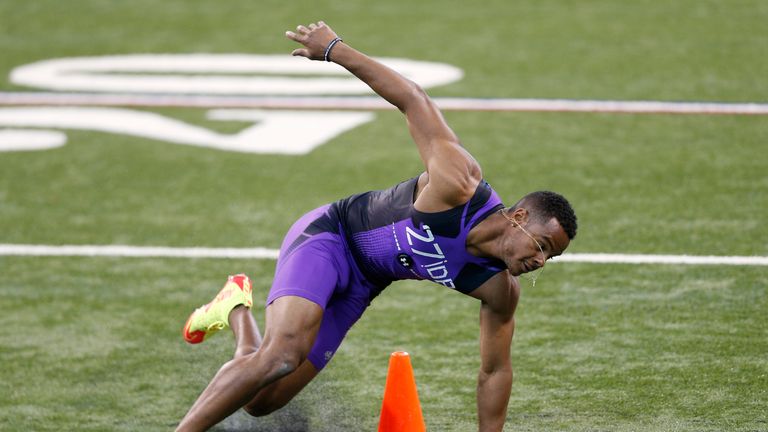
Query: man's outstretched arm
(494, 383)
(453, 172)
(499, 296)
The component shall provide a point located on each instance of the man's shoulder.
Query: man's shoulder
(501, 293)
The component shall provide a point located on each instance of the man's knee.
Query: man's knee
(262, 406)
(259, 409)
(279, 362)
(278, 394)
(272, 397)
(284, 365)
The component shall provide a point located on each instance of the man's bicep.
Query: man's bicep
(454, 171)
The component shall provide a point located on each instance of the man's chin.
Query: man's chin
(515, 268)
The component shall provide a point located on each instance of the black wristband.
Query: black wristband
(330, 47)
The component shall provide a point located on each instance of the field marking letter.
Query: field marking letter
(274, 131)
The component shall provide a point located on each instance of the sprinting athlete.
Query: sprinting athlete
(446, 225)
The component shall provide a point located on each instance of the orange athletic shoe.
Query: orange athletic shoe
(214, 316)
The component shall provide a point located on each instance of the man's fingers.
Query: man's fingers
(303, 35)
(292, 36)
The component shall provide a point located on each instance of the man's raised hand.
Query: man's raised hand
(315, 38)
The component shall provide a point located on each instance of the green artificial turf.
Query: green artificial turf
(94, 344)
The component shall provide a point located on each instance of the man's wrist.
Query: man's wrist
(331, 44)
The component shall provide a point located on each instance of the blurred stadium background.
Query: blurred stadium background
(93, 343)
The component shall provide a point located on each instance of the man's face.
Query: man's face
(530, 244)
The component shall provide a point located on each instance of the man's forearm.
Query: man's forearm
(390, 85)
(493, 390)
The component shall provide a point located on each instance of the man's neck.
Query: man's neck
(483, 239)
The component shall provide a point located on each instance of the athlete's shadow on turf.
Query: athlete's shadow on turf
(289, 419)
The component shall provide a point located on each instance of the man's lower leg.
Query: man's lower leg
(247, 336)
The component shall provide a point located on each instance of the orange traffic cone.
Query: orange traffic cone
(401, 411)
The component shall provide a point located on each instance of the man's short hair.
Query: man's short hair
(545, 205)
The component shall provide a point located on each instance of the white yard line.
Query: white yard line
(376, 103)
(135, 251)
(605, 258)
(265, 253)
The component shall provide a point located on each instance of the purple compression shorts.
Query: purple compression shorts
(320, 268)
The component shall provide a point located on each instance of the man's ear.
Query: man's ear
(520, 215)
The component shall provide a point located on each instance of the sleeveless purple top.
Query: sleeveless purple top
(391, 240)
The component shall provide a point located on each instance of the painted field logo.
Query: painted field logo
(273, 131)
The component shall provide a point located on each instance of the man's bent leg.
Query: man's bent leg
(279, 393)
(291, 327)
(339, 316)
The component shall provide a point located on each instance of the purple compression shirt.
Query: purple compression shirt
(342, 255)
(391, 240)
